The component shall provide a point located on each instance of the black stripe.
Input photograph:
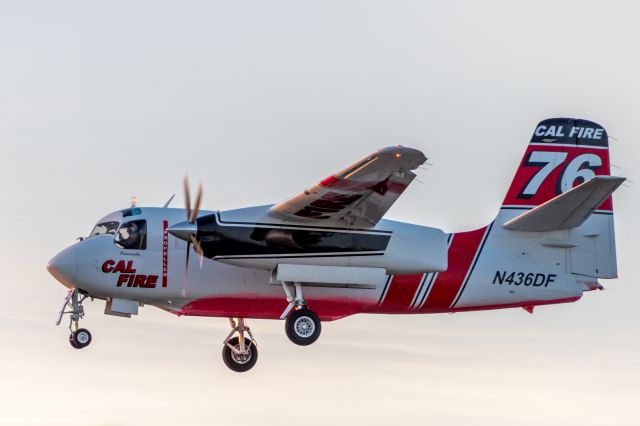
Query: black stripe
(279, 225)
(305, 256)
(384, 290)
(220, 241)
(424, 296)
(533, 207)
(423, 280)
(475, 262)
(517, 208)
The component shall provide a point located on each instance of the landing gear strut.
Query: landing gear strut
(239, 353)
(302, 325)
(72, 306)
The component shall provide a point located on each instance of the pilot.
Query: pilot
(129, 235)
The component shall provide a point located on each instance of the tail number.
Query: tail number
(581, 168)
(525, 279)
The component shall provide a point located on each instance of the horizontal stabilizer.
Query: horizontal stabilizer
(568, 210)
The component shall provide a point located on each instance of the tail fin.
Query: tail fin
(565, 153)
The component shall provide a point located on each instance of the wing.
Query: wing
(358, 196)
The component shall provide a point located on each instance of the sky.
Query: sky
(102, 101)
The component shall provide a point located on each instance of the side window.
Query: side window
(132, 235)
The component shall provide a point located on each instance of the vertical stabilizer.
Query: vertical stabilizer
(563, 154)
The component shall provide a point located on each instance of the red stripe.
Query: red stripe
(400, 294)
(518, 304)
(259, 306)
(165, 251)
(380, 187)
(447, 284)
(266, 307)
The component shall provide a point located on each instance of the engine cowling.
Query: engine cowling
(398, 247)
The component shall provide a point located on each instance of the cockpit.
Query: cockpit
(128, 231)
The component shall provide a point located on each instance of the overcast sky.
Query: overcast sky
(100, 101)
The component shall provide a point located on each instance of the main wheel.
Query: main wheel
(303, 327)
(240, 362)
(80, 338)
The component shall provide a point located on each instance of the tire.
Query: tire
(303, 327)
(240, 363)
(71, 342)
(81, 338)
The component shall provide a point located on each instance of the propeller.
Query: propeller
(192, 214)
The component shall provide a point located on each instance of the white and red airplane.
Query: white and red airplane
(327, 253)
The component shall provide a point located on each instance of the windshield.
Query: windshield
(105, 228)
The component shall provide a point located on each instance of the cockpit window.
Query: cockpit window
(105, 228)
(132, 235)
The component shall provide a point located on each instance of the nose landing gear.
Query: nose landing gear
(239, 353)
(72, 306)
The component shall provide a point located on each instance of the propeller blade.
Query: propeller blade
(186, 263)
(198, 249)
(188, 234)
(196, 205)
(187, 197)
(185, 276)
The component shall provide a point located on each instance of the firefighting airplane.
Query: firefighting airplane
(327, 253)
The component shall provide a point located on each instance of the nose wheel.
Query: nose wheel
(79, 337)
(239, 353)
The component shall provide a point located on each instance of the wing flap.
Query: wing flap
(568, 210)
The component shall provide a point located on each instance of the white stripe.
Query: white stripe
(429, 287)
(567, 145)
(418, 290)
(428, 291)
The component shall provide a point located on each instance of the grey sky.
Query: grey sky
(100, 101)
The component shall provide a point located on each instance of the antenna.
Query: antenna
(168, 201)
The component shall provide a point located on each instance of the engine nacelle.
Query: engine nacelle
(250, 238)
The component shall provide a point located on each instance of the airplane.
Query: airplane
(327, 252)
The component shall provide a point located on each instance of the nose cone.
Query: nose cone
(64, 265)
(184, 230)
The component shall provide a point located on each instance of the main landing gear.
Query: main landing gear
(72, 306)
(302, 325)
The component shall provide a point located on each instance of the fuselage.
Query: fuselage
(487, 268)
